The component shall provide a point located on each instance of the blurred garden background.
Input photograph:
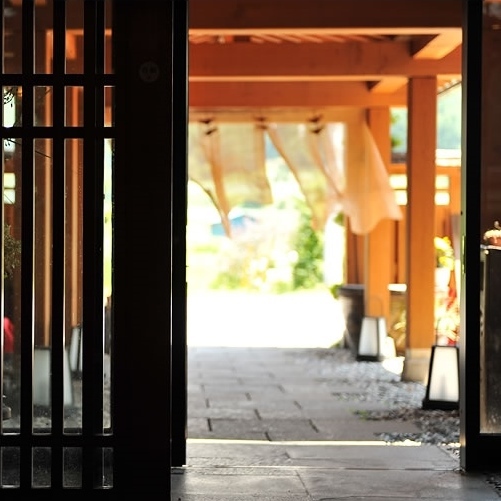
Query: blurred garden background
(269, 284)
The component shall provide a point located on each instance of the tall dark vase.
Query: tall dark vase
(351, 298)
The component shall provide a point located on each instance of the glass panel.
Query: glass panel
(12, 105)
(43, 106)
(490, 371)
(74, 50)
(9, 188)
(108, 106)
(490, 255)
(41, 466)
(11, 282)
(74, 106)
(108, 467)
(73, 276)
(42, 378)
(108, 62)
(74, 36)
(43, 36)
(72, 467)
(107, 276)
(12, 55)
(10, 462)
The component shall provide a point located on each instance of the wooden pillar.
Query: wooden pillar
(355, 244)
(421, 152)
(355, 256)
(378, 251)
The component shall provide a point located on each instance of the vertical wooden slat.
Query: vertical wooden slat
(92, 373)
(142, 270)
(27, 246)
(56, 233)
(179, 221)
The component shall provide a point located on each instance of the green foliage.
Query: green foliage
(243, 265)
(449, 119)
(448, 122)
(335, 290)
(398, 131)
(210, 247)
(281, 287)
(396, 138)
(12, 252)
(307, 271)
(339, 218)
(444, 253)
(231, 279)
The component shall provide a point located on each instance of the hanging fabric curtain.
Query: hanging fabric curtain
(202, 172)
(368, 197)
(230, 165)
(229, 162)
(311, 158)
(333, 181)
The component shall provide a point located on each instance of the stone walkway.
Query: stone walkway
(289, 394)
(278, 424)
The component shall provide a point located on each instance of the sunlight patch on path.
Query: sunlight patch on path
(306, 319)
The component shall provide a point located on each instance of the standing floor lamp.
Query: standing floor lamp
(373, 345)
(442, 389)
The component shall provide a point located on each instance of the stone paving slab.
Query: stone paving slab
(223, 412)
(361, 430)
(239, 485)
(269, 404)
(365, 484)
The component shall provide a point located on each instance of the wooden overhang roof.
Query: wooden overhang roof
(251, 58)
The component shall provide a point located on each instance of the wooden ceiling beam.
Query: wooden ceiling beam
(339, 33)
(387, 85)
(223, 95)
(219, 16)
(311, 61)
(436, 47)
(270, 115)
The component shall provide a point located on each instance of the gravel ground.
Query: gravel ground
(382, 382)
